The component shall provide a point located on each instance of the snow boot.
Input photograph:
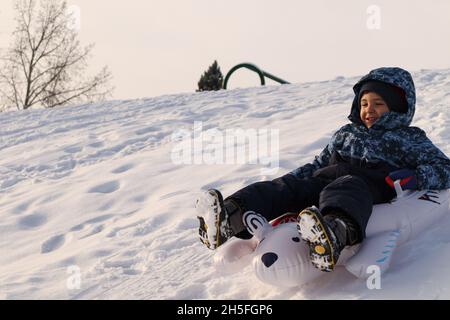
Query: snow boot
(218, 220)
(326, 236)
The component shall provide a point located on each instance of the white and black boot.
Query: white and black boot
(216, 219)
(326, 236)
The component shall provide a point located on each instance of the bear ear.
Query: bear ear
(256, 224)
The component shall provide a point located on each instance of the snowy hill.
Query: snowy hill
(94, 206)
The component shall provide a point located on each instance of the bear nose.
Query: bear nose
(269, 258)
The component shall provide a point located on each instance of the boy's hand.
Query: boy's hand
(407, 178)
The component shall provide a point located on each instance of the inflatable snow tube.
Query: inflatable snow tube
(281, 258)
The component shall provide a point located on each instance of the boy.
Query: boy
(335, 193)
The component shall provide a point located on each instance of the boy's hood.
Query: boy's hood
(391, 120)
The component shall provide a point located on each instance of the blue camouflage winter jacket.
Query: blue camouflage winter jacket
(390, 140)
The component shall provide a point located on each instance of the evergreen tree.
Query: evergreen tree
(212, 79)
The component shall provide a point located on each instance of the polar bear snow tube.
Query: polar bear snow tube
(281, 258)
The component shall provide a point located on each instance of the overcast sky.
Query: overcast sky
(156, 47)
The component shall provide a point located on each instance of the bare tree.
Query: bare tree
(46, 64)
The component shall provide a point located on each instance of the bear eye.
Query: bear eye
(296, 239)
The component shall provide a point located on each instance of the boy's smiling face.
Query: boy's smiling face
(372, 108)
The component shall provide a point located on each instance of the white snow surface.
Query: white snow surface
(92, 206)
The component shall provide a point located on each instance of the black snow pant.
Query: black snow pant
(351, 194)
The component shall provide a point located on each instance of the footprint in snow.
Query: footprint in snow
(123, 168)
(90, 222)
(53, 243)
(140, 198)
(73, 149)
(108, 187)
(146, 130)
(32, 221)
(9, 182)
(21, 208)
(93, 231)
(96, 144)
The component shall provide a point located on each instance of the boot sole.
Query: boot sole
(310, 225)
(218, 205)
(209, 233)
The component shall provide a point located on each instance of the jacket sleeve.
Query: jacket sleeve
(431, 164)
(320, 161)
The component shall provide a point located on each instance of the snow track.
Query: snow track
(93, 188)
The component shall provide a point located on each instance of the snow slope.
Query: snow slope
(92, 206)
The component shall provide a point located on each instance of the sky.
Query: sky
(157, 47)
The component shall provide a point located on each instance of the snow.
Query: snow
(93, 205)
